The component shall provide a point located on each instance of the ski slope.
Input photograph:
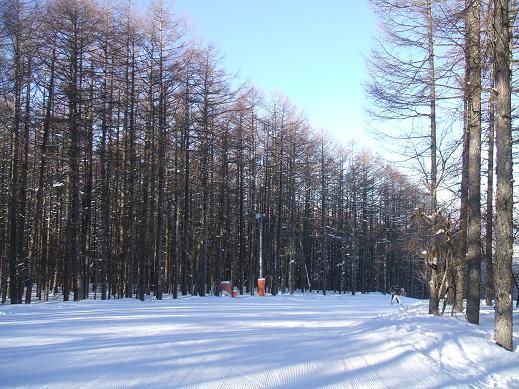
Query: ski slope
(299, 341)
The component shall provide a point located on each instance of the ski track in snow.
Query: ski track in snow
(300, 341)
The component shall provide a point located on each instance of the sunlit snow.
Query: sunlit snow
(299, 341)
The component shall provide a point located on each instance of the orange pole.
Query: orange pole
(261, 286)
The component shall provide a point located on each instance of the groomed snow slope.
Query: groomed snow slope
(300, 341)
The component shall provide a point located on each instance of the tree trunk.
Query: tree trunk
(73, 249)
(37, 251)
(489, 295)
(434, 281)
(504, 194)
(464, 193)
(324, 248)
(15, 234)
(473, 86)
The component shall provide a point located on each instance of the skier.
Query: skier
(395, 294)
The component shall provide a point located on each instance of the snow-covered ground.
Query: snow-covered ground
(299, 341)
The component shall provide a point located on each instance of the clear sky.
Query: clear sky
(310, 50)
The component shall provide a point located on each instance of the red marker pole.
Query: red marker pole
(261, 287)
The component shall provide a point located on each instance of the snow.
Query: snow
(298, 341)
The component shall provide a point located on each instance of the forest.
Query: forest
(134, 164)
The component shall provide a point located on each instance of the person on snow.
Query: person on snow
(395, 294)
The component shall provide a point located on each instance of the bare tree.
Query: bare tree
(504, 195)
(473, 117)
(403, 86)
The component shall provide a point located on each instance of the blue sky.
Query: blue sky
(310, 50)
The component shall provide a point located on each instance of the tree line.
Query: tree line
(132, 165)
(448, 83)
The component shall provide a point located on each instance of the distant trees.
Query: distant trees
(131, 165)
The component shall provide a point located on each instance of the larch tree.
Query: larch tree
(503, 331)
(473, 118)
(403, 86)
(489, 61)
(17, 30)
